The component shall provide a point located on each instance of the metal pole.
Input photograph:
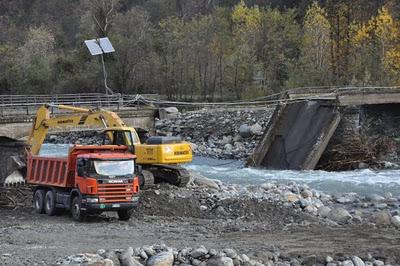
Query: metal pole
(108, 90)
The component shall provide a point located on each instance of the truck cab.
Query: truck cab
(92, 179)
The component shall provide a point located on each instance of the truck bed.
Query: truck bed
(48, 171)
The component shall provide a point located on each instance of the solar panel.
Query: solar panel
(106, 45)
(93, 47)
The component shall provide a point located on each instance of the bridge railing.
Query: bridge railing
(11, 105)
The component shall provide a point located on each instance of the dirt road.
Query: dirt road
(31, 239)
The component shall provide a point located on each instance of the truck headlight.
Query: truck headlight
(92, 200)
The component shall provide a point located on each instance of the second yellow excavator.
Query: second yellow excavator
(159, 158)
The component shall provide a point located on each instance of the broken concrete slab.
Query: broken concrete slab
(296, 136)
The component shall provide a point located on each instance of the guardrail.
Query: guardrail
(11, 105)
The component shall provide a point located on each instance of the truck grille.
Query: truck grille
(109, 193)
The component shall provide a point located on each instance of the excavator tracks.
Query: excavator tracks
(172, 174)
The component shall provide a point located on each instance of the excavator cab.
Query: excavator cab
(121, 136)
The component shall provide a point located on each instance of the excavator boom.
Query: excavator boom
(159, 155)
(81, 119)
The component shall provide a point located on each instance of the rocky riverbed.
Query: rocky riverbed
(219, 133)
(271, 224)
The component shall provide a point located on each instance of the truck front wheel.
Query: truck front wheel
(50, 203)
(76, 210)
(125, 215)
(38, 201)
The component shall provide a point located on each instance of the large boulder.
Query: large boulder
(339, 215)
(382, 218)
(161, 259)
(168, 112)
(204, 181)
(244, 131)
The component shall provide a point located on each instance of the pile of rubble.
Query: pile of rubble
(161, 255)
(207, 198)
(223, 134)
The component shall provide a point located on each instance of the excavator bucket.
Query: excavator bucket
(12, 160)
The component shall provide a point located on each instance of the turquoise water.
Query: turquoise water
(364, 182)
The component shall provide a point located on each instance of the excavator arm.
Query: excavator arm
(81, 118)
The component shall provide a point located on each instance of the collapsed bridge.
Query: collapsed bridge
(331, 129)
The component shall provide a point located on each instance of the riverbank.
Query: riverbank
(219, 133)
(271, 224)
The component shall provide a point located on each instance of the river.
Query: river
(364, 182)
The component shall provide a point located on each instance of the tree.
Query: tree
(378, 40)
(312, 68)
(131, 36)
(34, 61)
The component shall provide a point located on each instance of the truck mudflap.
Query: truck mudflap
(100, 207)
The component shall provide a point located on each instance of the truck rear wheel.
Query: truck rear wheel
(50, 203)
(38, 201)
(125, 215)
(76, 210)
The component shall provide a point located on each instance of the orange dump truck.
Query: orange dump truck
(92, 179)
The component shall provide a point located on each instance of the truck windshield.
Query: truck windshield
(114, 168)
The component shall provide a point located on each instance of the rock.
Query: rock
(204, 181)
(225, 140)
(256, 129)
(375, 198)
(292, 197)
(311, 209)
(378, 263)
(196, 262)
(230, 253)
(161, 259)
(126, 258)
(339, 215)
(111, 255)
(244, 131)
(382, 218)
(228, 147)
(306, 194)
(213, 252)
(221, 210)
(328, 259)
(168, 112)
(304, 203)
(396, 221)
(324, 211)
(245, 258)
(143, 255)
(347, 263)
(357, 261)
(199, 252)
(149, 251)
(220, 261)
(203, 208)
(310, 260)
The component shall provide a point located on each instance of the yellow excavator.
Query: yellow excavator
(159, 159)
